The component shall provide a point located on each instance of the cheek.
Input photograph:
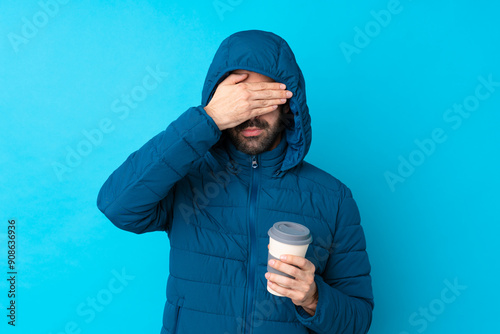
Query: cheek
(271, 118)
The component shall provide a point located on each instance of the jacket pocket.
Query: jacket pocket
(178, 309)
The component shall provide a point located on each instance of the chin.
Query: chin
(250, 145)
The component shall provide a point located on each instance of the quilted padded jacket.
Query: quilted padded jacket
(216, 205)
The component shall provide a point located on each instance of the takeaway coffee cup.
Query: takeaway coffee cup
(286, 238)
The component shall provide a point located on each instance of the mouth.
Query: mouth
(251, 132)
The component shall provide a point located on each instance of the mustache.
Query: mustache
(252, 123)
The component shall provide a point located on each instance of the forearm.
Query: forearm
(131, 194)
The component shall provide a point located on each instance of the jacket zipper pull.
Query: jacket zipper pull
(254, 162)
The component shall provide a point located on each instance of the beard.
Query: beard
(255, 144)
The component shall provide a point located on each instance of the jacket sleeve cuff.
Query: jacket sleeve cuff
(332, 313)
(210, 120)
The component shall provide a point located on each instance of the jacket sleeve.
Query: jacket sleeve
(345, 299)
(139, 195)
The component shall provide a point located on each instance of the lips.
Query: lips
(250, 132)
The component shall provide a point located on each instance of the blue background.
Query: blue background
(70, 74)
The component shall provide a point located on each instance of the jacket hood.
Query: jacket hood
(268, 54)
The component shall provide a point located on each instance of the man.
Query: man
(219, 177)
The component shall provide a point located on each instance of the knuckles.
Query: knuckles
(245, 104)
(245, 94)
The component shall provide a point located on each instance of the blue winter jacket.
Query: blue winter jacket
(217, 204)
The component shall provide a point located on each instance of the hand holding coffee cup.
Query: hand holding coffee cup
(291, 239)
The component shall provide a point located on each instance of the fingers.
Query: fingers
(283, 281)
(260, 107)
(265, 86)
(234, 78)
(264, 101)
(267, 103)
(298, 282)
(294, 265)
(262, 111)
(266, 96)
(271, 94)
(287, 269)
(300, 262)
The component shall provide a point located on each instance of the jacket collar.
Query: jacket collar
(238, 162)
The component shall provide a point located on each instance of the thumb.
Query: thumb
(234, 78)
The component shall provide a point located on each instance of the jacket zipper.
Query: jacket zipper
(253, 241)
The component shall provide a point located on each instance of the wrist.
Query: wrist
(311, 307)
(210, 112)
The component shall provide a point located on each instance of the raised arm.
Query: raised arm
(138, 195)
